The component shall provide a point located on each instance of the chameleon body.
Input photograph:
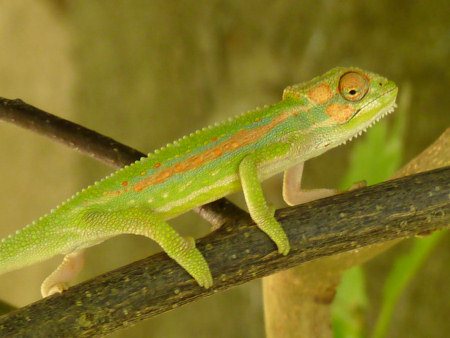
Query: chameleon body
(312, 118)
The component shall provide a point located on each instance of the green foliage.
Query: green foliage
(403, 270)
(350, 304)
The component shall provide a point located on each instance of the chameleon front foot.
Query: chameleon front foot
(358, 185)
(69, 268)
(260, 211)
(276, 232)
(282, 243)
(51, 290)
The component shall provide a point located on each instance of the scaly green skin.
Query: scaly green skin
(312, 118)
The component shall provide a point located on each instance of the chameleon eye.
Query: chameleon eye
(353, 86)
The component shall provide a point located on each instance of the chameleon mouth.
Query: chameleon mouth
(369, 123)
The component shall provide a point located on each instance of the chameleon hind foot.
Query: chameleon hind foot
(69, 268)
(188, 256)
(147, 223)
(180, 249)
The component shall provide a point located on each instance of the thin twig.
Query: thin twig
(84, 140)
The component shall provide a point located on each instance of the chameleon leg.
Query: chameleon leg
(147, 223)
(69, 268)
(261, 213)
(293, 194)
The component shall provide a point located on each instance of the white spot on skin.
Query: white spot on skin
(185, 186)
(131, 202)
(150, 200)
(194, 194)
(164, 195)
(215, 172)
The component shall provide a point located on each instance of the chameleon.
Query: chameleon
(311, 118)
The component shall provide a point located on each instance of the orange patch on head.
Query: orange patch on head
(124, 183)
(339, 112)
(217, 152)
(320, 94)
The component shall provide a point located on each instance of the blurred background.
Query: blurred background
(148, 72)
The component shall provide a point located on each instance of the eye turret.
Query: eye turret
(353, 86)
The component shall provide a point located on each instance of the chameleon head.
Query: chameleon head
(341, 104)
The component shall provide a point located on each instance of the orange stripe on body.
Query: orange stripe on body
(238, 140)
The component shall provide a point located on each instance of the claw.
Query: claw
(358, 185)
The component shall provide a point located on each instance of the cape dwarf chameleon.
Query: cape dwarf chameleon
(311, 118)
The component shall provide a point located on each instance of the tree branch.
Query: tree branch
(239, 252)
